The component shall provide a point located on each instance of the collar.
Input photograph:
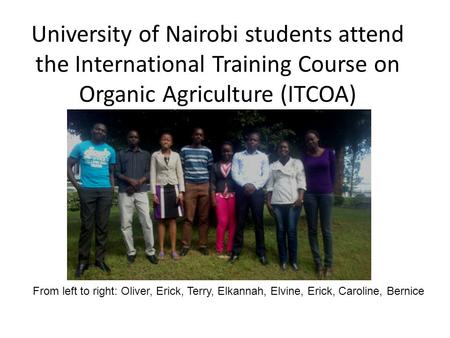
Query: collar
(257, 152)
(137, 151)
(279, 166)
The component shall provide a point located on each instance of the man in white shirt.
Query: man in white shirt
(250, 171)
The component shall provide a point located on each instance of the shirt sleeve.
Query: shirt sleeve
(112, 158)
(118, 167)
(153, 174)
(76, 152)
(265, 171)
(147, 167)
(213, 179)
(270, 182)
(180, 175)
(182, 157)
(236, 171)
(300, 176)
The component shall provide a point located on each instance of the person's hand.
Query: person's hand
(213, 201)
(130, 191)
(298, 202)
(270, 208)
(180, 198)
(249, 189)
(134, 183)
(155, 199)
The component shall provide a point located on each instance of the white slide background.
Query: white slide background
(410, 176)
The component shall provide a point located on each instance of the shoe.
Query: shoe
(175, 256)
(294, 266)
(131, 258)
(152, 259)
(204, 250)
(184, 251)
(102, 266)
(81, 268)
(319, 272)
(283, 266)
(161, 255)
(263, 260)
(327, 272)
(233, 258)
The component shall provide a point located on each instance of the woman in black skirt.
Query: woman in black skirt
(167, 184)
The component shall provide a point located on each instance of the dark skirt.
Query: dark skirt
(168, 206)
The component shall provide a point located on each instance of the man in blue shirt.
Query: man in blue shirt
(250, 171)
(197, 161)
(96, 160)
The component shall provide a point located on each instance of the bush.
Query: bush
(339, 201)
(360, 201)
(73, 201)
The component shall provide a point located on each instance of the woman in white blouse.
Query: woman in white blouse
(167, 186)
(286, 187)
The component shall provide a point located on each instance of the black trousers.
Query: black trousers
(254, 202)
(95, 205)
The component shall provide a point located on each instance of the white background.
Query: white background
(409, 168)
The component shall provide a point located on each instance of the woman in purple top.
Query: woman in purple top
(319, 166)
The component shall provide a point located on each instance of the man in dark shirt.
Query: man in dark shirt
(133, 175)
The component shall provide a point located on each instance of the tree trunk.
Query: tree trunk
(339, 181)
(352, 170)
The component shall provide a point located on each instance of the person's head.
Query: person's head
(283, 149)
(226, 151)
(133, 138)
(98, 133)
(252, 141)
(312, 139)
(166, 141)
(198, 136)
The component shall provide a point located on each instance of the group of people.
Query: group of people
(189, 183)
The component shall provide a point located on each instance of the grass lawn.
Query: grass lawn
(352, 260)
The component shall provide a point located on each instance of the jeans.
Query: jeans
(315, 205)
(254, 202)
(95, 205)
(287, 219)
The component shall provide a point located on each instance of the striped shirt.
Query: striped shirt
(197, 163)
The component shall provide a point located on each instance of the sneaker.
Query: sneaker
(152, 259)
(131, 258)
(204, 250)
(184, 251)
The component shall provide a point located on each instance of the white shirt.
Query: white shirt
(285, 180)
(250, 168)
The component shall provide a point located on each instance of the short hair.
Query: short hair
(133, 131)
(97, 124)
(253, 132)
(165, 133)
(227, 143)
(312, 131)
(283, 141)
(197, 128)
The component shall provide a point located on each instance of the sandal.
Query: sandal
(175, 255)
(161, 255)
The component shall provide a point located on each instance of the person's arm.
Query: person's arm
(153, 174)
(212, 186)
(265, 171)
(236, 171)
(70, 175)
(112, 164)
(180, 177)
(146, 178)
(301, 183)
(270, 184)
